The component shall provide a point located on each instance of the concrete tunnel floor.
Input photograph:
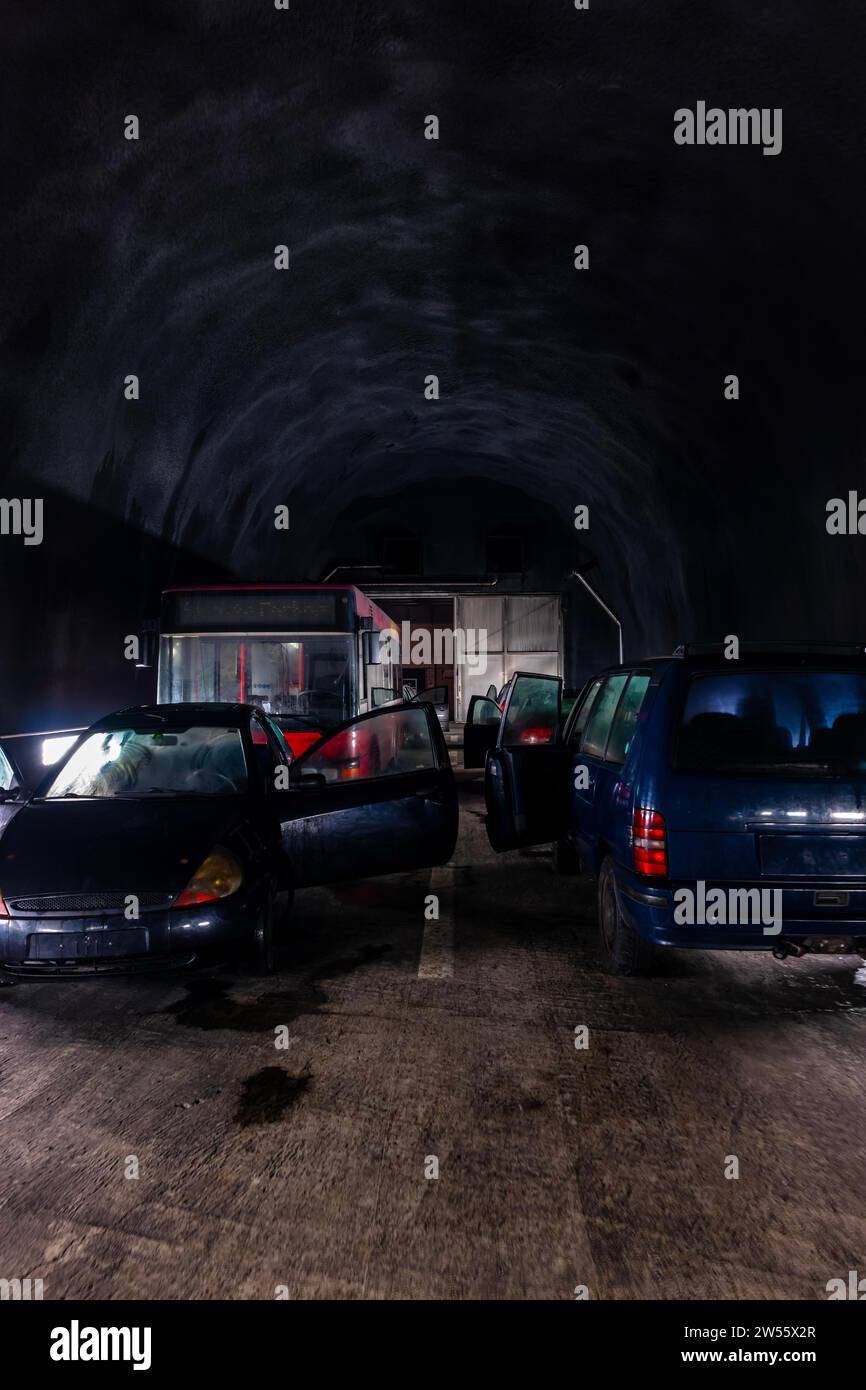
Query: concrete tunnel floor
(303, 1170)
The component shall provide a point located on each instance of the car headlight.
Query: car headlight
(216, 877)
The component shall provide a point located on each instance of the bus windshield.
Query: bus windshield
(306, 676)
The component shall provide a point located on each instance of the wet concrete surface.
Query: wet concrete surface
(305, 1167)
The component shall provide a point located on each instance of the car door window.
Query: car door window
(484, 711)
(625, 721)
(583, 713)
(599, 722)
(533, 710)
(385, 745)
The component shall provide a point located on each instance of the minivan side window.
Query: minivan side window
(598, 725)
(625, 722)
(584, 712)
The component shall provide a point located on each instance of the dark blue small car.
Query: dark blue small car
(718, 803)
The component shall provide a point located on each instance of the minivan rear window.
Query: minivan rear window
(774, 721)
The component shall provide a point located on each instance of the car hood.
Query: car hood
(112, 845)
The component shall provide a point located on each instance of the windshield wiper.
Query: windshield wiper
(140, 795)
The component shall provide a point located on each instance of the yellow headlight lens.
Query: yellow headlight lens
(218, 876)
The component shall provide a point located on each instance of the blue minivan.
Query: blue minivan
(718, 803)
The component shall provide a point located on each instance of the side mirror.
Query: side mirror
(371, 648)
(307, 779)
(148, 644)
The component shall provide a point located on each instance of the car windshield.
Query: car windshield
(198, 761)
(774, 721)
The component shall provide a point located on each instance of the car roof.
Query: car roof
(769, 657)
(213, 715)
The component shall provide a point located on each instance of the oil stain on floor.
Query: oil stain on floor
(267, 1095)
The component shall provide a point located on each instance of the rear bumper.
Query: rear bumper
(649, 909)
(108, 944)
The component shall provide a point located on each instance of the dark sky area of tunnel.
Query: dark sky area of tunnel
(408, 257)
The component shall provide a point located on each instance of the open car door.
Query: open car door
(525, 778)
(437, 696)
(375, 796)
(13, 789)
(480, 730)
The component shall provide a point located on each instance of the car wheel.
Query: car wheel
(263, 955)
(623, 950)
(566, 859)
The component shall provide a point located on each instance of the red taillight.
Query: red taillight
(650, 843)
(4, 911)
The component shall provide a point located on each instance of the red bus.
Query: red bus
(309, 655)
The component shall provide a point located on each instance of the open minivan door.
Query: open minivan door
(524, 783)
(375, 796)
(480, 730)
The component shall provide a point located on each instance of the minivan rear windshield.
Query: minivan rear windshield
(774, 721)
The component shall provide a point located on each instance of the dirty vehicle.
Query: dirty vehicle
(309, 655)
(718, 804)
(170, 833)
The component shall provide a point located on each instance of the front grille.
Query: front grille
(87, 902)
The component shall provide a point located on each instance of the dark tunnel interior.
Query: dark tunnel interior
(409, 257)
(409, 889)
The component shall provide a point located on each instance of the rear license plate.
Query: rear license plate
(818, 856)
(54, 945)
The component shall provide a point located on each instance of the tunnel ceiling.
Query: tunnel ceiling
(411, 257)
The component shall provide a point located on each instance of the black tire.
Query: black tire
(623, 950)
(262, 954)
(566, 859)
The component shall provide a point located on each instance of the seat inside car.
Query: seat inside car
(214, 766)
